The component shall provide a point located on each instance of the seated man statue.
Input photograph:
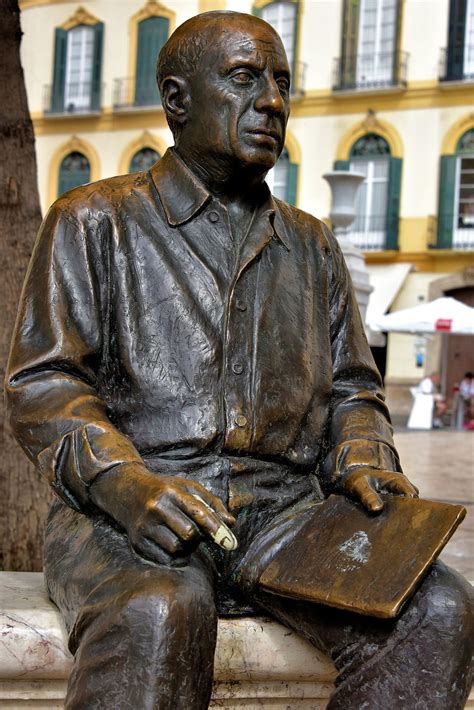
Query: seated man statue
(189, 355)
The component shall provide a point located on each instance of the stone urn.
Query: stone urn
(344, 186)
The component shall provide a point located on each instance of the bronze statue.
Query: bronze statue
(189, 356)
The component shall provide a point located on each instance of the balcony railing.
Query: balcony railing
(456, 63)
(130, 94)
(461, 227)
(370, 71)
(298, 79)
(76, 98)
(369, 232)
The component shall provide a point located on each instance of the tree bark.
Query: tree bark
(23, 494)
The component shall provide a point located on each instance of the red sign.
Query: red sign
(444, 325)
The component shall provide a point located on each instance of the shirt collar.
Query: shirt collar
(182, 195)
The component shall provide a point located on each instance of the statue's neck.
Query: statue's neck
(241, 190)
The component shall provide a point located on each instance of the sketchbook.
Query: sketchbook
(350, 559)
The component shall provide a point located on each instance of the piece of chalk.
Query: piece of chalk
(224, 537)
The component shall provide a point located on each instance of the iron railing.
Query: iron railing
(75, 98)
(456, 229)
(298, 79)
(130, 94)
(370, 71)
(456, 63)
(370, 232)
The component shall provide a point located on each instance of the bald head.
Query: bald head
(183, 52)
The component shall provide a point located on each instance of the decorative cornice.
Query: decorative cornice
(80, 17)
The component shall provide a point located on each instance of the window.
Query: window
(74, 170)
(459, 61)
(143, 160)
(369, 54)
(282, 179)
(77, 70)
(282, 17)
(378, 199)
(456, 196)
(376, 42)
(152, 35)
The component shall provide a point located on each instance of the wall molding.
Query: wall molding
(145, 140)
(370, 124)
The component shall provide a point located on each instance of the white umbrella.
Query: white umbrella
(444, 315)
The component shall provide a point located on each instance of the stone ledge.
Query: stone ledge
(258, 664)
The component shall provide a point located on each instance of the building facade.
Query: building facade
(383, 87)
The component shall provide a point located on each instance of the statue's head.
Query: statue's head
(224, 81)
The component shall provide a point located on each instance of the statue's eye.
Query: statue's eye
(283, 85)
(242, 77)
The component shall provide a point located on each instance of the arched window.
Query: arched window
(282, 179)
(456, 196)
(378, 199)
(143, 160)
(152, 35)
(282, 17)
(74, 170)
(77, 69)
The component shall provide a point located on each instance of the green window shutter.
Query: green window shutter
(152, 35)
(291, 183)
(446, 195)
(393, 202)
(97, 66)
(456, 39)
(59, 70)
(342, 164)
(350, 35)
(397, 65)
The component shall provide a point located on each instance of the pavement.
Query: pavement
(441, 464)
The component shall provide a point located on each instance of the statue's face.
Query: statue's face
(240, 98)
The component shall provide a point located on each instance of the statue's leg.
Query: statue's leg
(419, 661)
(143, 635)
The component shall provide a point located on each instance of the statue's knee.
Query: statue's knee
(168, 601)
(449, 602)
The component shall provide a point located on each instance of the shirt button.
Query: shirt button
(213, 217)
(238, 368)
(240, 420)
(241, 306)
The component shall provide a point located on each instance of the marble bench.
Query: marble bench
(258, 664)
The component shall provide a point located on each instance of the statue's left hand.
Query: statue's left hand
(364, 485)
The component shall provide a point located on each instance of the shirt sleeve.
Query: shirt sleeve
(57, 357)
(360, 431)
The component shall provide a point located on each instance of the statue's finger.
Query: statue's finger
(209, 521)
(214, 502)
(162, 547)
(362, 490)
(180, 524)
(400, 485)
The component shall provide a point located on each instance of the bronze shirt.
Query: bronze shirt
(144, 329)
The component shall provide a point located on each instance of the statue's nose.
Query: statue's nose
(269, 98)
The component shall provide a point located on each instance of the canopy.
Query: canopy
(444, 315)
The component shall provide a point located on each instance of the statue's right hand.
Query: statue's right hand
(159, 512)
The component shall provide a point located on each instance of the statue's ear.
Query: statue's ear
(176, 98)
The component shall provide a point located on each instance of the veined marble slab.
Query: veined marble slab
(34, 641)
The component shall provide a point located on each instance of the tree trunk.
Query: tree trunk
(24, 496)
